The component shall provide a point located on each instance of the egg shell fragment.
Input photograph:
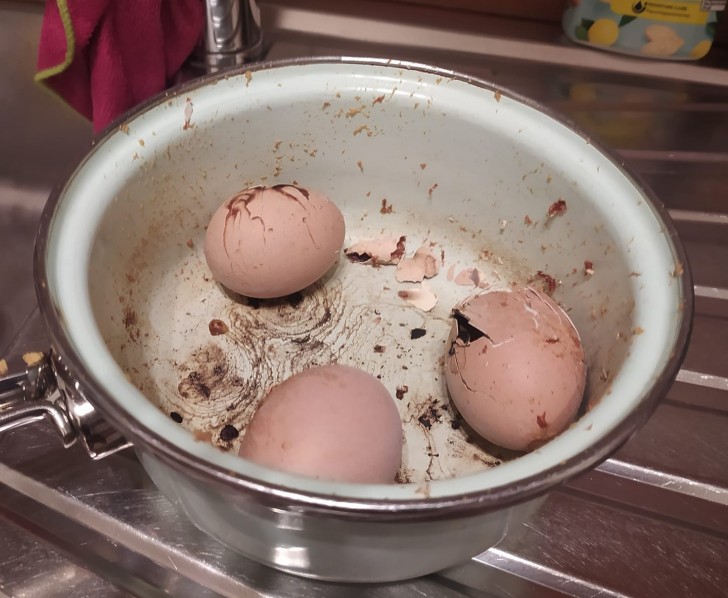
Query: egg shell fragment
(331, 422)
(269, 242)
(515, 367)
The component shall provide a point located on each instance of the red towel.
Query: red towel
(105, 56)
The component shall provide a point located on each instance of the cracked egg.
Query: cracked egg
(515, 367)
(268, 242)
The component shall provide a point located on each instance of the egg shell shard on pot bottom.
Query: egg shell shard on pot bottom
(332, 422)
(515, 367)
(267, 242)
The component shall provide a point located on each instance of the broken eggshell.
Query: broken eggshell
(423, 264)
(267, 242)
(381, 251)
(515, 367)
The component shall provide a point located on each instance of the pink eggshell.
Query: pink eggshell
(522, 384)
(273, 241)
(330, 422)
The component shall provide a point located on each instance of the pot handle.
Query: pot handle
(33, 389)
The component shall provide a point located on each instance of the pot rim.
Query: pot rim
(429, 508)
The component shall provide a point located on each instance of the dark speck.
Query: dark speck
(416, 333)
(379, 349)
(229, 433)
(294, 300)
(425, 421)
(176, 417)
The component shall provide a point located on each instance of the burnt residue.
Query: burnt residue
(557, 208)
(266, 342)
(194, 384)
(131, 324)
(217, 327)
(430, 416)
(176, 417)
(416, 333)
(207, 370)
(229, 433)
(548, 281)
(282, 189)
(403, 476)
(294, 299)
(238, 204)
(400, 391)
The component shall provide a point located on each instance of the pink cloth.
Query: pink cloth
(121, 52)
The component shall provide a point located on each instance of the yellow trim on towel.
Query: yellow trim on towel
(70, 44)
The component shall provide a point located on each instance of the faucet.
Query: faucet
(233, 34)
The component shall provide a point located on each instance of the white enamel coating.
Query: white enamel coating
(455, 161)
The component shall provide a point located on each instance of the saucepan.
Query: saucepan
(148, 350)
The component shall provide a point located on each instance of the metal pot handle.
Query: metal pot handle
(38, 387)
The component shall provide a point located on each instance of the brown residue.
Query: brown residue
(638, 330)
(423, 165)
(190, 244)
(679, 270)
(378, 100)
(497, 95)
(541, 420)
(431, 190)
(588, 268)
(557, 208)
(527, 220)
(386, 207)
(360, 164)
(203, 435)
(354, 111)
(549, 281)
(379, 348)
(217, 327)
(401, 391)
(325, 105)
(361, 129)
(130, 322)
(248, 78)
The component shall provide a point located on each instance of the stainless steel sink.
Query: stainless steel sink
(651, 521)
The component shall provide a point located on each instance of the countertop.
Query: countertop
(650, 521)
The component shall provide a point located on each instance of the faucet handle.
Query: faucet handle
(233, 34)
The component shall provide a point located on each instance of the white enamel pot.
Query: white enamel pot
(127, 299)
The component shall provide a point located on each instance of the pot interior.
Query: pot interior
(469, 168)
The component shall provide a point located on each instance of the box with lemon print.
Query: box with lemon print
(653, 29)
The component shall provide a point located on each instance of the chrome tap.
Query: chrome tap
(233, 34)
